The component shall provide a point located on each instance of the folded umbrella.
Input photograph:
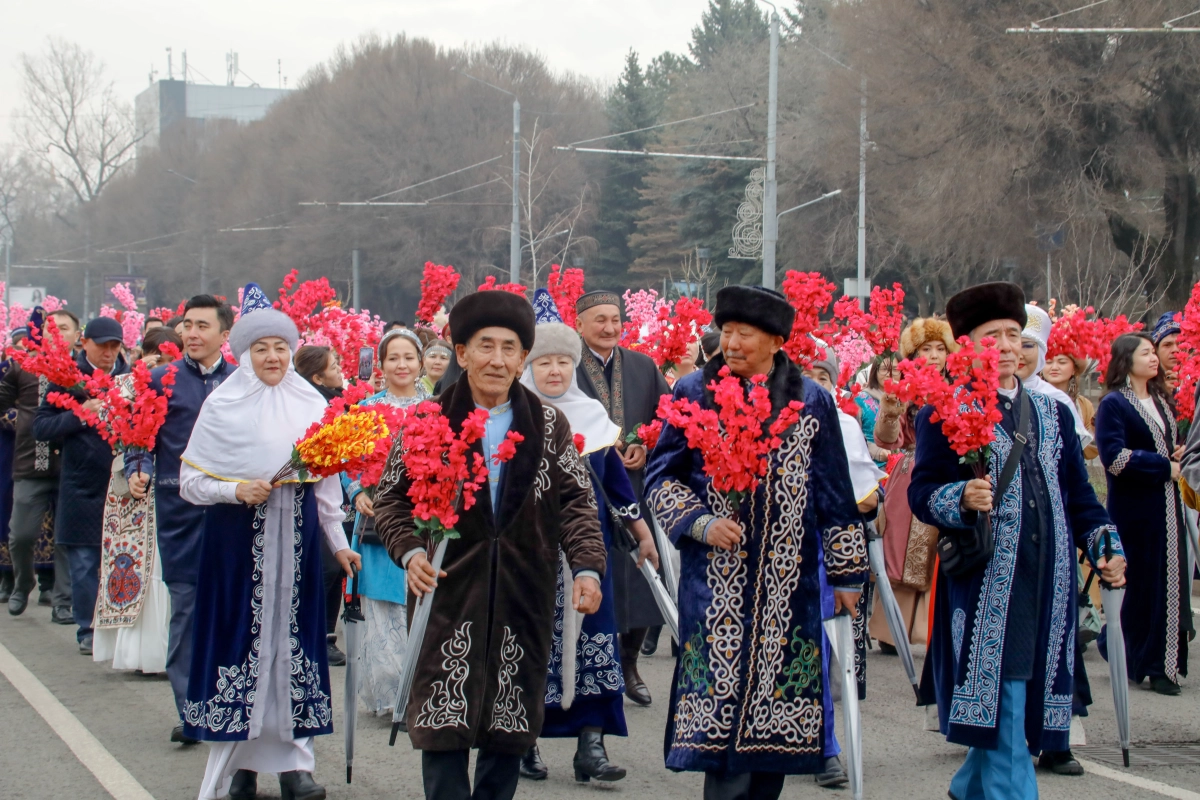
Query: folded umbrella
(840, 632)
(572, 622)
(352, 619)
(665, 548)
(416, 635)
(891, 609)
(1118, 670)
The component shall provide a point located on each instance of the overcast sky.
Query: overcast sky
(589, 37)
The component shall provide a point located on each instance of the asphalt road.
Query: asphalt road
(132, 716)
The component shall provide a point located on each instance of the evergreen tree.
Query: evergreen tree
(632, 104)
(726, 22)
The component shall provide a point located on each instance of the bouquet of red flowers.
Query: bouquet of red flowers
(50, 357)
(1189, 357)
(566, 287)
(646, 435)
(439, 471)
(438, 283)
(731, 438)
(967, 405)
(131, 411)
(304, 298)
(809, 293)
(879, 325)
(491, 285)
(677, 328)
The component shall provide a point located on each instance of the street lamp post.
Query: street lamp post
(770, 221)
(514, 245)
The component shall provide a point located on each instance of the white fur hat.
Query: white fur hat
(555, 338)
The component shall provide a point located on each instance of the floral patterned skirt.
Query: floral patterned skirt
(384, 642)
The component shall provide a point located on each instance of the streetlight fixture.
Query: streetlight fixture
(514, 245)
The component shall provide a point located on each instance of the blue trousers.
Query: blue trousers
(1005, 773)
(84, 562)
(179, 640)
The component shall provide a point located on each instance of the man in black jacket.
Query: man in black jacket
(35, 482)
(83, 480)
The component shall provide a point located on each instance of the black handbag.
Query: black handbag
(965, 551)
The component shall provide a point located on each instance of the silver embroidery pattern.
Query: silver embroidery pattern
(41, 450)
(1173, 512)
(1120, 462)
(673, 502)
(508, 714)
(446, 706)
(311, 707)
(229, 709)
(568, 461)
(797, 721)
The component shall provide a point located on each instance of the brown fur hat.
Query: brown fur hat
(926, 329)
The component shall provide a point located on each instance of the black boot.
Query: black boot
(532, 766)
(591, 760)
(244, 786)
(300, 786)
(1060, 762)
(635, 687)
(650, 645)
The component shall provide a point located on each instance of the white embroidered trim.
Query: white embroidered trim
(446, 706)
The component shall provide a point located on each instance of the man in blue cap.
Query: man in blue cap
(1166, 346)
(83, 479)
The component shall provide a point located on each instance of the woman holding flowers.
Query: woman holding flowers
(133, 616)
(584, 687)
(259, 684)
(1140, 448)
(748, 703)
(381, 584)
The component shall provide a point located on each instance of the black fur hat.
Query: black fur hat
(492, 309)
(972, 307)
(763, 308)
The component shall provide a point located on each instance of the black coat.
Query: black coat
(86, 466)
(25, 391)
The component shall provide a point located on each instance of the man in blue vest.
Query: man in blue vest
(206, 324)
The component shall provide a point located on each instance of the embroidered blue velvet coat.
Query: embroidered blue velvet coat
(978, 628)
(747, 691)
(599, 683)
(230, 616)
(1145, 506)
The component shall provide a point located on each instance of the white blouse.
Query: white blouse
(204, 490)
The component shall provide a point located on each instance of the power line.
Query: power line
(431, 180)
(648, 153)
(661, 125)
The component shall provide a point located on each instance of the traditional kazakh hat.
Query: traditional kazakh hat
(600, 297)
(258, 320)
(552, 336)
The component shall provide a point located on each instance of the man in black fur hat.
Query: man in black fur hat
(481, 671)
(628, 385)
(748, 698)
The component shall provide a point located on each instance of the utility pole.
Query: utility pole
(770, 221)
(87, 291)
(7, 272)
(514, 245)
(129, 263)
(862, 193)
(354, 279)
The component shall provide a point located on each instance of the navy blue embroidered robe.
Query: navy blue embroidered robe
(1145, 506)
(599, 684)
(233, 617)
(1016, 618)
(747, 693)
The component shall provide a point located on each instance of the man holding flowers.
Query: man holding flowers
(481, 671)
(749, 703)
(1003, 645)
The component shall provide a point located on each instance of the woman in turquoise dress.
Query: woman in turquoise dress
(381, 584)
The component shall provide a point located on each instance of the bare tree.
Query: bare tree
(74, 124)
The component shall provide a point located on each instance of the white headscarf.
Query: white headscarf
(1037, 327)
(586, 415)
(246, 429)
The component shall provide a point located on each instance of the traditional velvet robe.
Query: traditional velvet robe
(481, 672)
(747, 691)
(599, 682)
(973, 645)
(629, 389)
(1145, 506)
(230, 618)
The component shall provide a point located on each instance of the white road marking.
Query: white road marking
(115, 779)
(1164, 789)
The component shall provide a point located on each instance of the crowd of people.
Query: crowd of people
(198, 560)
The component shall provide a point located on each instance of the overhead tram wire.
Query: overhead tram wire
(431, 180)
(573, 145)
